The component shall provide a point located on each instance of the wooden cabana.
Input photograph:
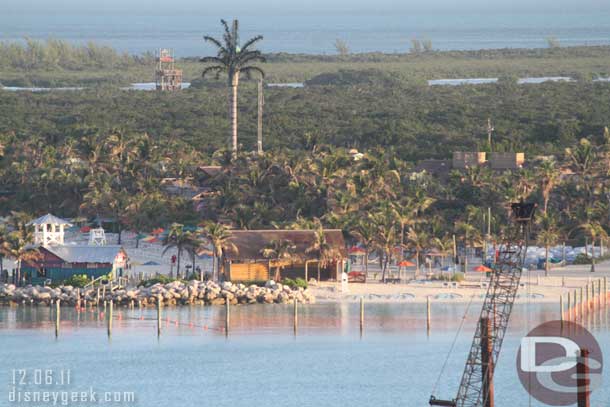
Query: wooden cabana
(245, 261)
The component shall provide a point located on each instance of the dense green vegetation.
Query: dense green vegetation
(56, 63)
(104, 151)
(417, 122)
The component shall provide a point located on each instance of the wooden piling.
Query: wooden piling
(587, 298)
(159, 302)
(561, 308)
(361, 315)
(575, 306)
(227, 316)
(110, 319)
(582, 381)
(97, 297)
(296, 316)
(599, 294)
(428, 313)
(57, 316)
(582, 303)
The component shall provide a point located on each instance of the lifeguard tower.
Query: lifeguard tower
(97, 237)
(167, 77)
(49, 230)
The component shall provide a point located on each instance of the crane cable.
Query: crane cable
(457, 334)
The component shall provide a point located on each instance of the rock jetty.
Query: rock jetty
(174, 293)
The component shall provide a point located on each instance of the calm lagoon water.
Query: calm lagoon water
(262, 362)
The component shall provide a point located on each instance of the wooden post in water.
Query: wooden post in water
(110, 319)
(97, 297)
(574, 306)
(227, 316)
(582, 381)
(428, 314)
(561, 308)
(296, 316)
(159, 299)
(361, 315)
(487, 362)
(57, 316)
(582, 303)
(587, 298)
(599, 294)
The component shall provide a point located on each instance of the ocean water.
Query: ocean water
(141, 32)
(261, 362)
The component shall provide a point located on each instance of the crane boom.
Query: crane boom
(476, 386)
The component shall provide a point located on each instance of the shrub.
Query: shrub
(457, 277)
(296, 283)
(77, 280)
(582, 258)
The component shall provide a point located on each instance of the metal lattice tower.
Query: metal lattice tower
(497, 307)
(477, 379)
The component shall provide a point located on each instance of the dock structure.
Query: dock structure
(167, 77)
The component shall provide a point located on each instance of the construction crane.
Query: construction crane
(476, 387)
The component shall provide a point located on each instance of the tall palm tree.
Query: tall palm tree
(17, 243)
(548, 175)
(364, 231)
(233, 59)
(418, 240)
(182, 240)
(218, 235)
(386, 238)
(279, 251)
(548, 236)
(593, 230)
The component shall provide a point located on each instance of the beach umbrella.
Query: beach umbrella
(482, 269)
(85, 229)
(406, 263)
(356, 251)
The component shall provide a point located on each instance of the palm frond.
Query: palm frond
(249, 69)
(216, 68)
(251, 42)
(214, 41)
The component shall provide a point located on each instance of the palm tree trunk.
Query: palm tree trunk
(416, 264)
(214, 266)
(178, 263)
(546, 264)
(233, 112)
(366, 263)
(383, 263)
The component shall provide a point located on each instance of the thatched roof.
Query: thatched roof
(250, 243)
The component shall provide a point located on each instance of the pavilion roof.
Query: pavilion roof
(49, 219)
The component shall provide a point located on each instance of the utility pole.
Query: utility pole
(490, 130)
(261, 103)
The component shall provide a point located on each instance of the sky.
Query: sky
(279, 7)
